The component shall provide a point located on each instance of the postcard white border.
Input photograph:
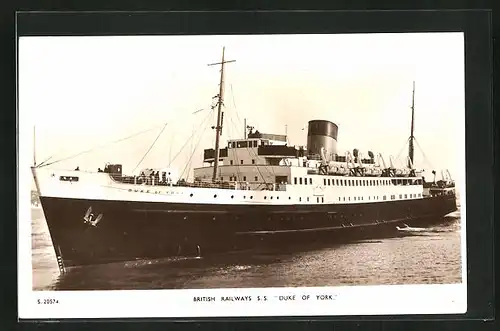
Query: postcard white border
(346, 300)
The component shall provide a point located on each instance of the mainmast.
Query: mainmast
(220, 114)
(34, 146)
(412, 137)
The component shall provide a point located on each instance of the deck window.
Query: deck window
(337, 182)
(310, 181)
(241, 161)
(295, 180)
(406, 196)
(305, 181)
(324, 181)
(328, 182)
(257, 178)
(253, 161)
(244, 178)
(300, 180)
(231, 162)
(384, 197)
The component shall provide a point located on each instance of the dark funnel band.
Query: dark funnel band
(323, 128)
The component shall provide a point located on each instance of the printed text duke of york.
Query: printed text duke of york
(265, 298)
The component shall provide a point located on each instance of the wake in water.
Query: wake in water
(451, 226)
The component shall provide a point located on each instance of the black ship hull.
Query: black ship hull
(144, 230)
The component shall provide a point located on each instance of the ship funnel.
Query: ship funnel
(322, 134)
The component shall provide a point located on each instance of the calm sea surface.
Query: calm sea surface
(425, 257)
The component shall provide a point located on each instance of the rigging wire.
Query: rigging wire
(423, 154)
(235, 154)
(196, 147)
(150, 147)
(97, 147)
(193, 150)
(249, 150)
(192, 135)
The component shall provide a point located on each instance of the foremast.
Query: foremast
(411, 150)
(220, 114)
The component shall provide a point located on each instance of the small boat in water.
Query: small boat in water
(254, 191)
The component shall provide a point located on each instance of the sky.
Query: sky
(82, 93)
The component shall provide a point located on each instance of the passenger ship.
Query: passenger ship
(252, 192)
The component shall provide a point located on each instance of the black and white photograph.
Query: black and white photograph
(241, 175)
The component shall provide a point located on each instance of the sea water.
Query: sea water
(423, 256)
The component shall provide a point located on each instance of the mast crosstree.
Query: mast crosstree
(220, 114)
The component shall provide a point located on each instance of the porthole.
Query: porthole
(215, 195)
(277, 198)
(191, 195)
(232, 196)
(289, 198)
(251, 197)
(265, 198)
(271, 198)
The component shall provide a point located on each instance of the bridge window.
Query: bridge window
(354, 198)
(222, 179)
(324, 181)
(244, 178)
(231, 162)
(329, 183)
(322, 199)
(401, 196)
(300, 199)
(406, 196)
(253, 161)
(241, 161)
(295, 180)
(307, 198)
(317, 199)
(255, 143)
(310, 181)
(257, 178)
